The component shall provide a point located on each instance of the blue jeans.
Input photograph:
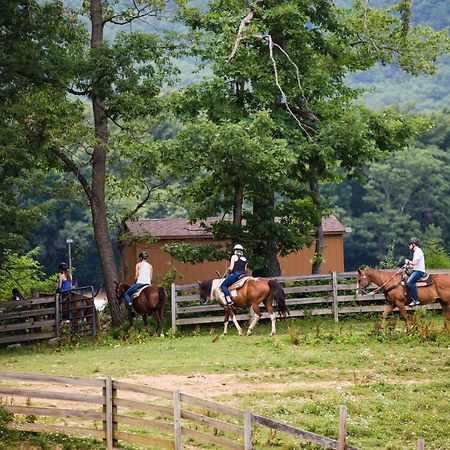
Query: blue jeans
(412, 280)
(229, 281)
(131, 290)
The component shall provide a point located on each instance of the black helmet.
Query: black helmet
(63, 266)
(414, 241)
(143, 255)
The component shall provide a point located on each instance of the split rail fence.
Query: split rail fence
(306, 295)
(114, 411)
(43, 317)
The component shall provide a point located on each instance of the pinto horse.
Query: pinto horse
(395, 292)
(151, 300)
(250, 295)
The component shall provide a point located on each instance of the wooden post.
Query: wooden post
(107, 409)
(420, 444)
(174, 308)
(57, 315)
(335, 297)
(342, 427)
(177, 420)
(248, 430)
(114, 412)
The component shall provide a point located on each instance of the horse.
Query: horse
(79, 305)
(250, 295)
(151, 300)
(396, 294)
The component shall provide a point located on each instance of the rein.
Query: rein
(375, 291)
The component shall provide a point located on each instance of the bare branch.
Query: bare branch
(244, 22)
(277, 82)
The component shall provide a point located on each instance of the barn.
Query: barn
(179, 230)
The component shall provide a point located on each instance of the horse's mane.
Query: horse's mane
(207, 285)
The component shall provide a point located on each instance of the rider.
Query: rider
(236, 269)
(417, 264)
(143, 275)
(64, 279)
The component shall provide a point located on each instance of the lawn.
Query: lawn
(396, 385)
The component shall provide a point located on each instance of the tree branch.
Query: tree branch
(244, 23)
(70, 164)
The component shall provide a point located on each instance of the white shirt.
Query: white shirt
(145, 273)
(419, 259)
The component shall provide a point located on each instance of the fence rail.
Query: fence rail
(306, 295)
(42, 317)
(105, 409)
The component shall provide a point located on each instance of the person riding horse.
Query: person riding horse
(143, 275)
(236, 269)
(417, 264)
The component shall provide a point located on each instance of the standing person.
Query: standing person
(64, 279)
(236, 269)
(417, 264)
(143, 275)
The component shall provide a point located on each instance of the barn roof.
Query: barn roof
(179, 228)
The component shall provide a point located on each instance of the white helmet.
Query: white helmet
(238, 247)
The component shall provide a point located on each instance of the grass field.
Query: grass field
(396, 385)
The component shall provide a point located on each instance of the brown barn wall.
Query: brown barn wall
(293, 264)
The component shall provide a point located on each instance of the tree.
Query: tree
(120, 78)
(288, 61)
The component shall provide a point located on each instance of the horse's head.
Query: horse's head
(121, 288)
(363, 281)
(204, 288)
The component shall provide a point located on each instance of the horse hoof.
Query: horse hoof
(249, 333)
(272, 334)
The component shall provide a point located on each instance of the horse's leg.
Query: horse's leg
(257, 313)
(235, 321)
(387, 310)
(446, 310)
(272, 316)
(157, 318)
(403, 314)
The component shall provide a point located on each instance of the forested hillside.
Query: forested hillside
(110, 123)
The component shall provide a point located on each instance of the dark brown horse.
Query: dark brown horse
(77, 307)
(395, 292)
(151, 300)
(250, 295)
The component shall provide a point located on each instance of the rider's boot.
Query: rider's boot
(229, 301)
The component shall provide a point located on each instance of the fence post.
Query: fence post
(420, 444)
(114, 412)
(174, 308)
(335, 297)
(57, 315)
(107, 409)
(177, 420)
(342, 427)
(248, 430)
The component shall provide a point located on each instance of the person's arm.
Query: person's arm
(412, 263)
(136, 275)
(231, 266)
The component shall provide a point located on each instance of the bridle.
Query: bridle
(375, 291)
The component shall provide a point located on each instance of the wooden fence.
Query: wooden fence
(306, 295)
(43, 317)
(115, 411)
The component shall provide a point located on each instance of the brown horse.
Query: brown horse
(250, 295)
(151, 300)
(396, 295)
(77, 306)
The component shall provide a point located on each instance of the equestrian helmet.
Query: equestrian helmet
(238, 247)
(414, 241)
(63, 266)
(143, 255)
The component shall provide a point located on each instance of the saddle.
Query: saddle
(239, 283)
(138, 292)
(426, 280)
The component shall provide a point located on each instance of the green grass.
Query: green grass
(396, 385)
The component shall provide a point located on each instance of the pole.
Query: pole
(69, 243)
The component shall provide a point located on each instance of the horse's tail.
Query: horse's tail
(162, 301)
(277, 293)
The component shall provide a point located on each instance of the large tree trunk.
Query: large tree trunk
(263, 208)
(237, 204)
(97, 201)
